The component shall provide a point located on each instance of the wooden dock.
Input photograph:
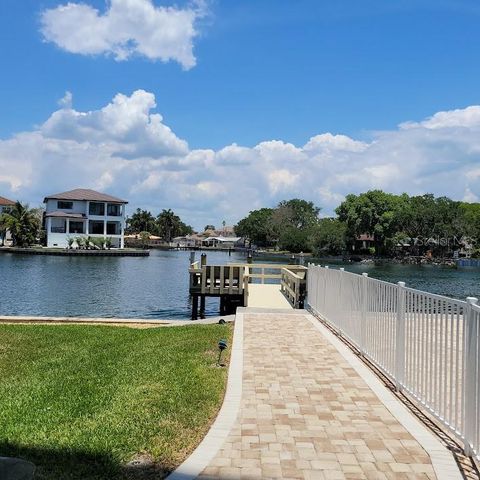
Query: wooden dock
(246, 284)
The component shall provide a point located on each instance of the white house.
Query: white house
(83, 213)
(4, 204)
(186, 241)
(222, 242)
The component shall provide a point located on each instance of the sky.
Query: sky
(214, 108)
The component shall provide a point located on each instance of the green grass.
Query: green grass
(82, 401)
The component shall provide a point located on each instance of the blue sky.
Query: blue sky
(259, 71)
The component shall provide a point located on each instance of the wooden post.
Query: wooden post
(222, 305)
(195, 307)
(203, 259)
(202, 306)
(192, 258)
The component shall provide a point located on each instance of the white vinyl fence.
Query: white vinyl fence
(427, 344)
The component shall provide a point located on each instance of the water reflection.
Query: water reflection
(157, 286)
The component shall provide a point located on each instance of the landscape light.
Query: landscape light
(222, 345)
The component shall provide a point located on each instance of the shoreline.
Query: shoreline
(75, 253)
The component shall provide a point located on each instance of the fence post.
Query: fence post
(470, 374)
(363, 318)
(400, 338)
(340, 303)
(325, 313)
(310, 296)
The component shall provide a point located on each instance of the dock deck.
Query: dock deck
(247, 284)
(267, 296)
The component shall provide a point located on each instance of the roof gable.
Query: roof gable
(84, 194)
(5, 202)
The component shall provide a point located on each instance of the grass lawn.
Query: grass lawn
(81, 402)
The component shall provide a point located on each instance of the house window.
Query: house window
(96, 209)
(58, 226)
(75, 227)
(95, 228)
(114, 210)
(113, 228)
(64, 205)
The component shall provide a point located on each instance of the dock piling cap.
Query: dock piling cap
(222, 344)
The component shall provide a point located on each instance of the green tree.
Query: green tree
(329, 237)
(167, 224)
(3, 226)
(298, 213)
(144, 239)
(23, 224)
(294, 240)
(374, 212)
(141, 221)
(470, 217)
(185, 229)
(293, 223)
(256, 227)
(209, 227)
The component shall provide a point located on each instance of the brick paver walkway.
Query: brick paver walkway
(306, 413)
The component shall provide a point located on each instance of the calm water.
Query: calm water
(157, 286)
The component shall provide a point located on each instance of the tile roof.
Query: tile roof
(58, 214)
(84, 194)
(5, 201)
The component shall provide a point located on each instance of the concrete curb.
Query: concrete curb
(193, 466)
(107, 321)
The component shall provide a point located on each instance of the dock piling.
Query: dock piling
(195, 307)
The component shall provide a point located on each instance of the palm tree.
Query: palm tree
(3, 229)
(23, 224)
(141, 221)
(168, 224)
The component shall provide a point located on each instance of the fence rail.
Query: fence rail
(427, 344)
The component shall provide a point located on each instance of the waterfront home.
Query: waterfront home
(5, 203)
(187, 241)
(363, 243)
(84, 213)
(183, 241)
(223, 242)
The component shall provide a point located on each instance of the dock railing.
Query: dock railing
(294, 285)
(427, 344)
(234, 279)
(217, 279)
(291, 278)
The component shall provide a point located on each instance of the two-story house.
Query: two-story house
(82, 213)
(4, 204)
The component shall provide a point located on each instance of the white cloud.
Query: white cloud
(461, 118)
(282, 181)
(125, 125)
(126, 149)
(126, 28)
(327, 142)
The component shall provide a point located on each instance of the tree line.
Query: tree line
(166, 224)
(393, 224)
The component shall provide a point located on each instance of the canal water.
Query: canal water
(157, 286)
